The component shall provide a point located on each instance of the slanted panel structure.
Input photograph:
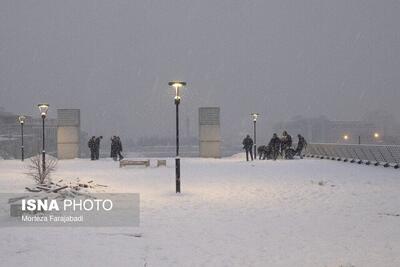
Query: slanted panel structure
(68, 133)
(386, 155)
(209, 132)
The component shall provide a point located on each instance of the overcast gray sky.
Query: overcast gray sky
(113, 59)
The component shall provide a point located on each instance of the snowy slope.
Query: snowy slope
(231, 213)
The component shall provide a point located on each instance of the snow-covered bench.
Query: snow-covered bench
(161, 162)
(126, 162)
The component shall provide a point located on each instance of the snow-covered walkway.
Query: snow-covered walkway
(231, 213)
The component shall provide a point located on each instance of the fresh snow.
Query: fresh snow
(231, 213)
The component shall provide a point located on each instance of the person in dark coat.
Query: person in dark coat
(92, 147)
(113, 153)
(275, 145)
(262, 151)
(301, 144)
(268, 152)
(119, 148)
(97, 147)
(248, 146)
(286, 143)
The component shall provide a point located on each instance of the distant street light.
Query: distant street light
(255, 115)
(375, 135)
(177, 85)
(21, 120)
(43, 112)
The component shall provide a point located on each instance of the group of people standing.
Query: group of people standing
(116, 147)
(94, 146)
(276, 146)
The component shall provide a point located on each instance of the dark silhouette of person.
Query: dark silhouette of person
(286, 143)
(275, 145)
(113, 153)
(119, 148)
(92, 147)
(301, 144)
(97, 147)
(248, 146)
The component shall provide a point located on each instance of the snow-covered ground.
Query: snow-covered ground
(231, 213)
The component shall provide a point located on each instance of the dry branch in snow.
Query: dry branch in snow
(36, 171)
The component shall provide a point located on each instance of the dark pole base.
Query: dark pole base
(44, 161)
(178, 174)
(22, 154)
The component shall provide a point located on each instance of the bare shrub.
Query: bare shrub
(36, 169)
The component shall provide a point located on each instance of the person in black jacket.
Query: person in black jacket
(119, 148)
(275, 145)
(262, 152)
(286, 143)
(97, 147)
(248, 146)
(114, 148)
(92, 147)
(300, 145)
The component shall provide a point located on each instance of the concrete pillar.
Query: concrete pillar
(209, 132)
(68, 133)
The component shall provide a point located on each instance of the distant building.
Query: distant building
(323, 130)
(354, 132)
(10, 136)
(386, 121)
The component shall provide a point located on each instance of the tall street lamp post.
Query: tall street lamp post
(255, 115)
(21, 120)
(177, 85)
(43, 112)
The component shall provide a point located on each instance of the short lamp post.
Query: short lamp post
(21, 120)
(255, 116)
(43, 112)
(177, 85)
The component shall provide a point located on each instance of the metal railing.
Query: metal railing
(378, 155)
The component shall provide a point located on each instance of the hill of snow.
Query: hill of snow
(231, 213)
